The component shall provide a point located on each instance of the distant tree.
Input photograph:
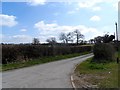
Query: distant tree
(111, 37)
(52, 40)
(104, 39)
(78, 36)
(83, 42)
(91, 41)
(36, 41)
(108, 38)
(70, 36)
(98, 39)
(66, 37)
(63, 37)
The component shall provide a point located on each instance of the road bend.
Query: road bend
(49, 75)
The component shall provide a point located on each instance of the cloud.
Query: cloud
(36, 2)
(90, 4)
(20, 36)
(97, 8)
(93, 4)
(17, 39)
(95, 18)
(21, 39)
(23, 30)
(53, 29)
(42, 26)
(6, 20)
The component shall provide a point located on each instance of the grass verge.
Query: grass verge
(28, 63)
(104, 75)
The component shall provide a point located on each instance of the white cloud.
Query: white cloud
(23, 30)
(6, 20)
(42, 26)
(21, 38)
(85, 4)
(36, 2)
(95, 18)
(17, 39)
(97, 8)
(53, 29)
(93, 4)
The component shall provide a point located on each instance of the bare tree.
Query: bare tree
(36, 41)
(63, 37)
(78, 36)
(70, 36)
(51, 40)
(66, 37)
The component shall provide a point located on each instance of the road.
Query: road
(50, 75)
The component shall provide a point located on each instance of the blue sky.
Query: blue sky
(23, 21)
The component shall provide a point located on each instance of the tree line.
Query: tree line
(77, 38)
(71, 37)
(71, 42)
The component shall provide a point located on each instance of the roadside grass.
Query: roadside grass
(0, 67)
(42, 60)
(104, 75)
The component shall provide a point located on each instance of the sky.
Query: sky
(23, 20)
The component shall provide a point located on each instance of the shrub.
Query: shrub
(9, 54)
(103, 52)
(14, 53)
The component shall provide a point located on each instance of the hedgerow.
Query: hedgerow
(104, 52)
(14, 53)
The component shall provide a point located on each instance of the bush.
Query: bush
(9, 54)
(14, 53)
(103, 52)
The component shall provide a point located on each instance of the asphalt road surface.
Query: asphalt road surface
(50, 75)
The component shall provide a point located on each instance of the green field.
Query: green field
(17, 65)
(104, 75)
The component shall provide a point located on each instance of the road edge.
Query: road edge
(71, 76)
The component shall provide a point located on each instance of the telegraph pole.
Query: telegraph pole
(117, 42)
